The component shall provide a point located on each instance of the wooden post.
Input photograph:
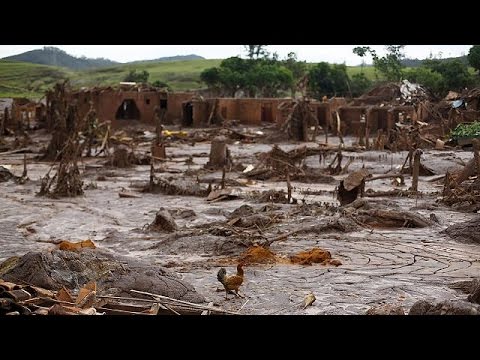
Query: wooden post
(289, 186)
(24, 175)
(416, 168)
(152, 175)
(339, 132)
(476, 148)
(367, 133)
(223, 178)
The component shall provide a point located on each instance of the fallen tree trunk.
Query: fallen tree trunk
(392, 218)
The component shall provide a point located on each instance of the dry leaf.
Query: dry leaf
(64, 295)
(86, 298)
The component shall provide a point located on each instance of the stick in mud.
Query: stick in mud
(416, 169)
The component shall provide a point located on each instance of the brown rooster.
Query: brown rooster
(232, 282)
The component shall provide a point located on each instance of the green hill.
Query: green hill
(57, 57)
(21, 79)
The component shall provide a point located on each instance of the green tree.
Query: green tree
(161, 84)
(431, 80)
(390, 65)
(474, 57)
(454, 73)
(359, 84)
(263, 76)
(297, 68)
(329, 80)
(255, 51)
(362, 52)
(134, 76)
(267, 79)
(211, 77)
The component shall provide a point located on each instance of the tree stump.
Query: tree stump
(218, 153)
(121, 157)
(158, 151)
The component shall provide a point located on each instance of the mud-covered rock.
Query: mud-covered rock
(114, 276)
(5, 174)
(244, 210)
(449, 307)
(386, 309)
(468, 231)
(474, 297)
(163, 222)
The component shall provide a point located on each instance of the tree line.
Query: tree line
(262, 74)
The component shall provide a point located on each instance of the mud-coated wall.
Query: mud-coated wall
(107, 102)
(350, 119)
(174, 107)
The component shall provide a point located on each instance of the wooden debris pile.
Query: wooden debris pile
(17, 299)
(67, 180)
(461, 189)
(299, 121)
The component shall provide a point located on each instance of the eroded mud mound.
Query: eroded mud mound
(257, 255)
(55, 269)
(314, 256)
(468, 231)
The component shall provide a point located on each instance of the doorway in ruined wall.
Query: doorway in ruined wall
(187, 119)
(322, 116)
(267, 114)
(382, 119)
(128, 110)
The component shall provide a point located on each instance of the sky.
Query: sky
(310, 53)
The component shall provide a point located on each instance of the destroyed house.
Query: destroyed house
(122, 106)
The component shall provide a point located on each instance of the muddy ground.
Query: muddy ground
(397, 266)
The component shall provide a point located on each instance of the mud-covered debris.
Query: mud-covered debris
(359, 204)
(182, 213)
(243, 210)
(257, 255)
(114, 276)
(448, 307)
(175, 187)
(468, 231)
(163, 222)
(222, 194)
(5, 174)
(382, 218)
(255, 220)
(475, 294)
(273, 196)
(466, 286)
(123, 157)
(127, 194)
(386, 309)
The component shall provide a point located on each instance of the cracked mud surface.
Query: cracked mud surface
(379, 266)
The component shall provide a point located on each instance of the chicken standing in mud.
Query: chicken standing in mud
(232, 282)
